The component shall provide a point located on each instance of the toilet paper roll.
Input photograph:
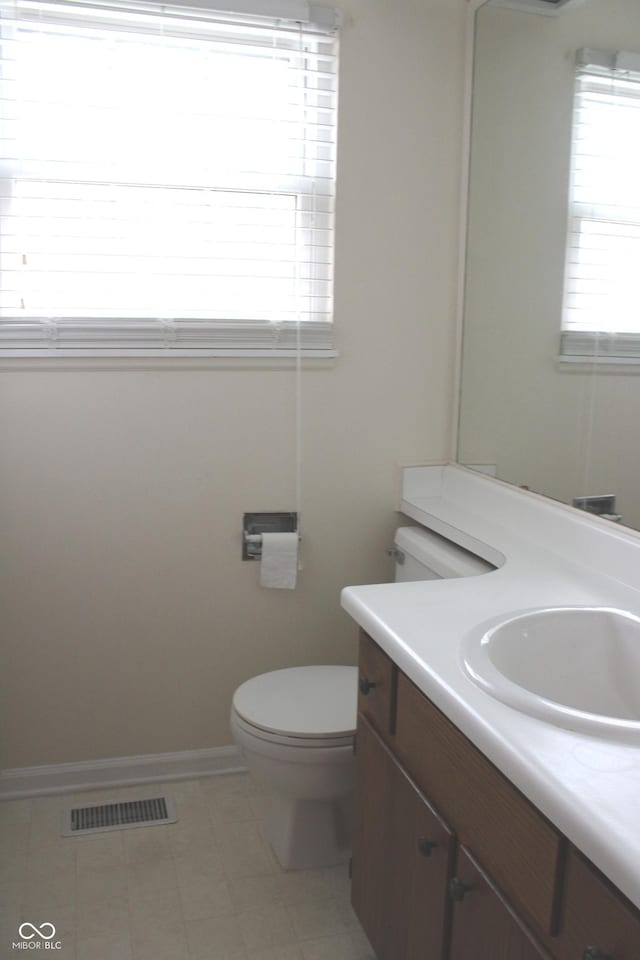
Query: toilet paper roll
(279, 564)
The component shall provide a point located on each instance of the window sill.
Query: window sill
(590, 360)
(589, 349)
(159, 360)
(581, 364)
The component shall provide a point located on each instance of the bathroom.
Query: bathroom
(128, 615)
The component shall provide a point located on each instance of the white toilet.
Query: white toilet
(295, 727)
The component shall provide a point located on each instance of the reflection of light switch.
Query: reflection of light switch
(547, 7)
(603, 505)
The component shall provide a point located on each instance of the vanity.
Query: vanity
(486, 830)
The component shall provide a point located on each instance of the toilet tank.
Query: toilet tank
(421, 554)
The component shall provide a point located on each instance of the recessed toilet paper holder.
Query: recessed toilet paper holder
(255, 524)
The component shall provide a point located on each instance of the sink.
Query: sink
(576, 667)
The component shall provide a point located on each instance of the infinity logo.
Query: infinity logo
(39, 931)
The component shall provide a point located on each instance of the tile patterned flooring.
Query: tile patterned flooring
(205, 888)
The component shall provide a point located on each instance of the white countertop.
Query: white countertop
(550, 555)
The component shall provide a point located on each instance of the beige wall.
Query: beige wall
(127, 616)
(561, 430)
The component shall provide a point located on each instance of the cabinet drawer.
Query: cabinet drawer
(595, 915)
(376, 680)
(513, 842)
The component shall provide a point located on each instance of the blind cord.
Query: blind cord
(298, 371)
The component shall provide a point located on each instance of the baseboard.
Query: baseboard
(118, 772)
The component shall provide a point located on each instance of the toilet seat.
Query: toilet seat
(279, 739)
(300, 706)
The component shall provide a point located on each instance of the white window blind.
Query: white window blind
(602, 285)
(167, 180)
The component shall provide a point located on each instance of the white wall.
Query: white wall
(127, 616)
(561, 430)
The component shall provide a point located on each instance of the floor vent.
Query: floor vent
(118, 816)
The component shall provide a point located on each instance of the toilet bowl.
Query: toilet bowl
(295, 728)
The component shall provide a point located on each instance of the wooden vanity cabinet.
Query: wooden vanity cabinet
(402, 858)
(450, 860)
(489, 816)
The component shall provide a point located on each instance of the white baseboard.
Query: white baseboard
(118, 772)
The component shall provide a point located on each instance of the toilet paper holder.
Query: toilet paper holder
(255, 524)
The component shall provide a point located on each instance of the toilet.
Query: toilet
(295, 727)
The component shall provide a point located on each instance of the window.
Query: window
(167, 182)
(601, 314)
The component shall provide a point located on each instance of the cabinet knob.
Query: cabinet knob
(457, 889)
(595, 953)
(365, 685)
(425, 846)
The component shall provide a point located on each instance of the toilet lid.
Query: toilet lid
(301, 701)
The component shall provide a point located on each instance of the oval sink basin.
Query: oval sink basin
(577, 667)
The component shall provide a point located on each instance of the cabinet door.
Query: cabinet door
(484, 927)
(401, 858)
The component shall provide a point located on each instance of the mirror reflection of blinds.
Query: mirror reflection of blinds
(602, 284)
(167, 179)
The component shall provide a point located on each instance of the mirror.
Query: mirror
(563, 429)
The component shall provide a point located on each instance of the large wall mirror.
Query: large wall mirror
(561, 420)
